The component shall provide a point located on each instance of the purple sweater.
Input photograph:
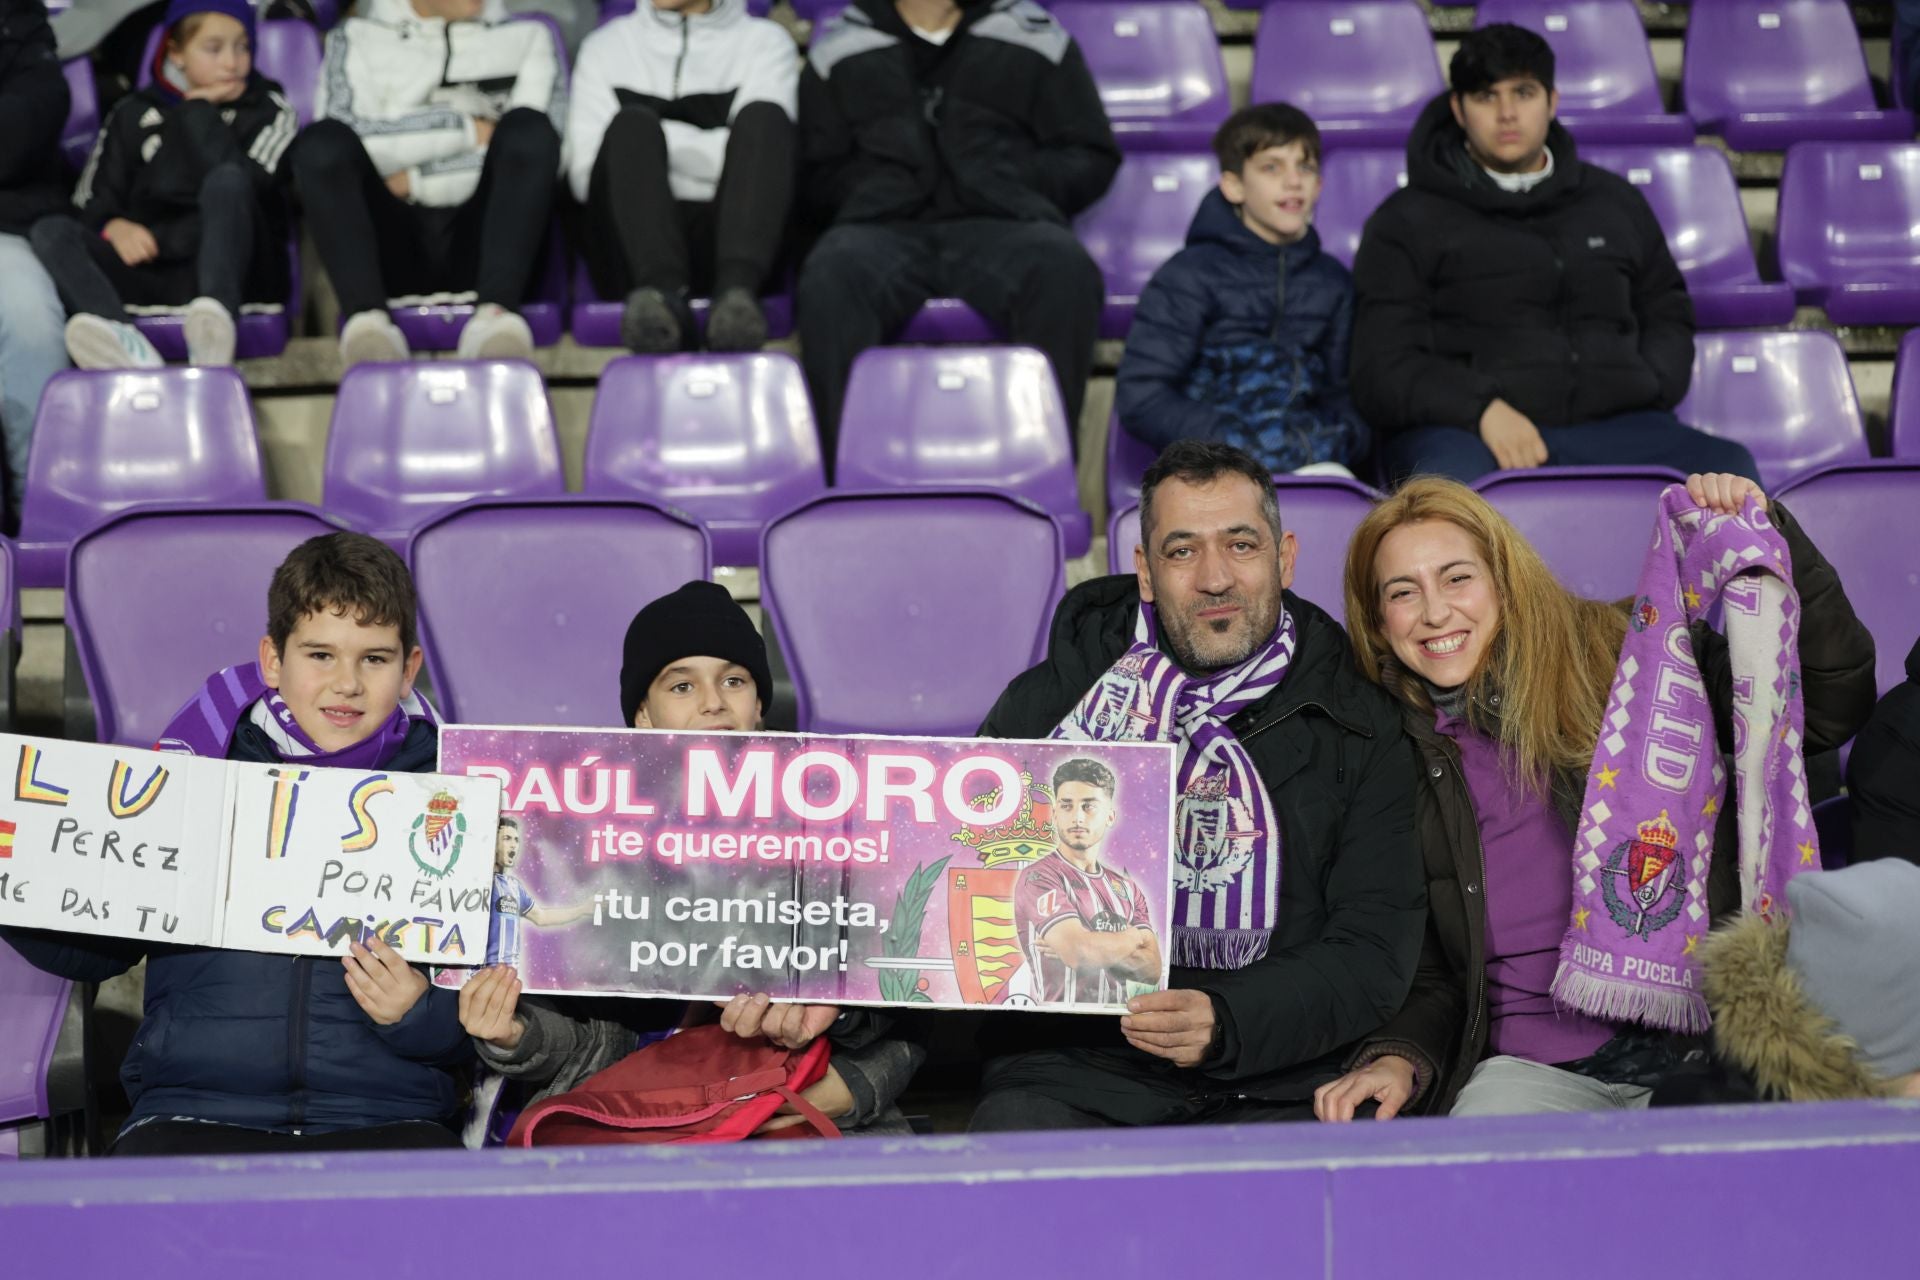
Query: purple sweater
(1529, 893)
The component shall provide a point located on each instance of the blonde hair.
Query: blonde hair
(1551, 656)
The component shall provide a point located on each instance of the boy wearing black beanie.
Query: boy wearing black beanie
(694, 662)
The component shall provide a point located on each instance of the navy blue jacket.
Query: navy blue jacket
(271, 1041)
(1244, 342)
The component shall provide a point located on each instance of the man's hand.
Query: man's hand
(381, 982)
(482, 130)
(487, 1007)
(400, 184)
(133, 242)
(1723, 494)
(791, 1026)
(1511, 435)
(1387, 1080)
(829, 1095)
(1175, 1025)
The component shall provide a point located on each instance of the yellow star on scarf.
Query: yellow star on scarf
(1713, 806)
(1607, 776)
(1580, 918)
(1692, 598)
(1807, 853)
(1693, 940)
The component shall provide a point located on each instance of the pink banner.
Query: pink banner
(940, 872)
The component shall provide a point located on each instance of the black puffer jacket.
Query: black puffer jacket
(1563, 301)
(1001, 122)
(271, 1041)
(1330, 750)
(1883, 774)
(1443, 1027)
(33, 107)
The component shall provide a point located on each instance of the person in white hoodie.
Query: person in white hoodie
(430, 168)
(680, 144)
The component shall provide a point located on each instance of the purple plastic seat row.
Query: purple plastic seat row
(1787, 396)
(1140, 223)
(1903, 427)
(1558, 509)
(1158, 68)
(83, 112)
(961, 584)
(1609, 92)
(1353, 182)
(962, 417)
(1363, 69)
(33, 1005)
(1846, 241)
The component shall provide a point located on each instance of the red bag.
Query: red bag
(704, 1084)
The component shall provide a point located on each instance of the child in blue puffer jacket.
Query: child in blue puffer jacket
(1242, 336)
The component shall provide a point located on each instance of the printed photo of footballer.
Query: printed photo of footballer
(1084, 923)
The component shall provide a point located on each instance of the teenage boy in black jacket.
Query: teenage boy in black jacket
(948, 147)
(1247, 1041)
(1517, 308)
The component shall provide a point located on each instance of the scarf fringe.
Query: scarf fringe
(1624, 1000)
(1200, 948)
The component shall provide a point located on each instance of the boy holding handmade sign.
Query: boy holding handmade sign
(246, 1052)
(693, 662)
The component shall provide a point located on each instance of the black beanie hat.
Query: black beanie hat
(700, 620)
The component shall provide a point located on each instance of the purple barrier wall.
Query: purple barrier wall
(1754, 1192)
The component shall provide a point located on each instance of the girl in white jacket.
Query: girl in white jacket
(680, 143)
(431, 168)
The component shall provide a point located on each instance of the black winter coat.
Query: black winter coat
(33, 107)
(156, 150)
(1331, 752)
(1004, 123)
(1216, 324)
(1443, 1027)
(1883, 774)
(1563, 301)
(271, 1041)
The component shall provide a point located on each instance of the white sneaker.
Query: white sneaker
(372, 336)
(95, 342)
(210, 333)
(495, 333)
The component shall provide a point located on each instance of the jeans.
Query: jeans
(1653, 437)
(33, 347)
(1509, 1086)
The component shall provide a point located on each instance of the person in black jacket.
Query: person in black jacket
(245, 1052)
(1242, 336)
(1516, 307)
(33, 107)
(1259, 1009)
(179, 202)
(1883, 774)
(949, 146)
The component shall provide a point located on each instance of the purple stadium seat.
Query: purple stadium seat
(1786, 396)
(431, 323)
(1363, 69)
(1602, 68)
(1128, 458)
(730, 440)
(1321, 512)
(83, 112)
(410, 439)
(1140, 223)
(1767, 75)
(1157, 64)
(908, 612)
(595, 321)
(32, 1007)
(611, 9)
(1865, 518)
(949, 320)
(108, 440)
(160, 597)
(1846, 241)
(571, 572)
(1903, 427)
(1693, 193)
(982, 417)
(1352, 185)
(1558, 509)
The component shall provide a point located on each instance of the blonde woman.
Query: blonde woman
(1502, 675)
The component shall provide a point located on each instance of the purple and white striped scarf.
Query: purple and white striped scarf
(1227, 855)
(1645, 838)
(206, 724)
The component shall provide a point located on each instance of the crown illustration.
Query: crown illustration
(1208, 787)
(1026, 837)
(1658, 833)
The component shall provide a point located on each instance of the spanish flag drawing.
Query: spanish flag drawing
(6, 838)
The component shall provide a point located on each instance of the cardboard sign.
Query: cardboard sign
(838, 870)
(196, 852)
